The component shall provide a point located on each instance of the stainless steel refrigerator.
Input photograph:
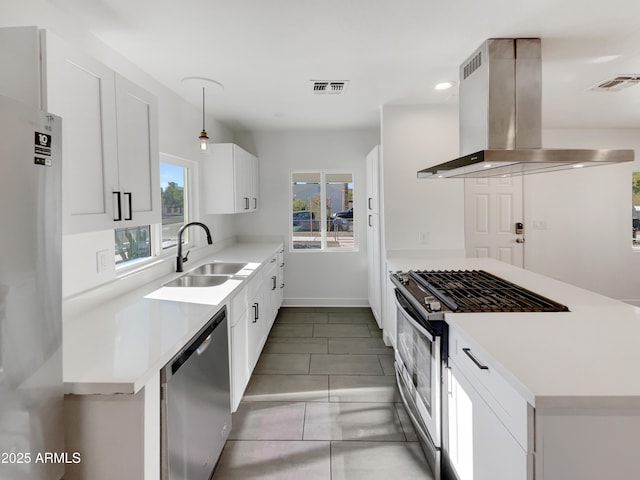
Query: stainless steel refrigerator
(31, 395)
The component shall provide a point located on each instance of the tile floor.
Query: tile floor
(322, 404)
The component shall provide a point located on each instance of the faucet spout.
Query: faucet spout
(180, 260)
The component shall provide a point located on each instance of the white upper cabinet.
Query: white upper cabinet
(230, 180)
(82, 91)
(109, 129)
(138, 155)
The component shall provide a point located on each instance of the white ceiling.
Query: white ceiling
(265, 52)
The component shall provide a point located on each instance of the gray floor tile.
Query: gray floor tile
(268, 421)
(365, 346)
(293, 388)
(375, 331)
(378, 461)
(296, 345)
(302, 318)
(282, 460)
(345, 365)
(355, 317)
(291, 330)
(341, 331)
(363, 388)
(353, 421)
(387, 364)
(405, 421)
(283, 363)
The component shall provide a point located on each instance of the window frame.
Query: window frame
(191, 212)
(323, 211)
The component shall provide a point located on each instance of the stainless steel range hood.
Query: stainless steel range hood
(500, 118)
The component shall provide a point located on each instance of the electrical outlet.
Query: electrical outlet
(102, 261)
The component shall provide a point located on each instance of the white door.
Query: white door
(493, 207)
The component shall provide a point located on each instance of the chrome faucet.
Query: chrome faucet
(180, 260)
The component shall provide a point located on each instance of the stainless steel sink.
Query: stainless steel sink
(198, 281)
(219, 268)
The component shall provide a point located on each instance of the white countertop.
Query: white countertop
(589, 356)
(119, 345)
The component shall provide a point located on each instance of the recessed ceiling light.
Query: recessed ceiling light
(444, 85)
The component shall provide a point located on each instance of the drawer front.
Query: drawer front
(255, 283)
(504, 400)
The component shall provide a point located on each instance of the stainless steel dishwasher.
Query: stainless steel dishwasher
(195, 404)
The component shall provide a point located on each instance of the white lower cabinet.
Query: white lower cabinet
(238, 353)
(252, 310)
(480, 446)
(488, 435)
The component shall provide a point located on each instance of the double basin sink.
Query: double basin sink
(208, 275)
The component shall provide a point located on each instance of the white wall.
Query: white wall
(179, 126)
(419, 214)
(587, 212)
(311, 278)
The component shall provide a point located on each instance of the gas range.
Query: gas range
(469, 291)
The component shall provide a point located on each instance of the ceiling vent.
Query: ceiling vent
(334, 87)
(618, 83)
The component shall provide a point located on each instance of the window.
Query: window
(176, 180)
(173, 182)
(132, 243)
(322, 211)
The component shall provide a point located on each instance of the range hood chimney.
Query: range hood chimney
(500, 118)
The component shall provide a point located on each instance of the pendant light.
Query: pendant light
(204, 139)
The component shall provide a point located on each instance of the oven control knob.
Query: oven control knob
(435, 306)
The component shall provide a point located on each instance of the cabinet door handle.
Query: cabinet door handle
(255, 203)
(128, 194)
(282, 285)
(256, 313)
(119, 217)
(478, 363)
(370, 221)
(370, 203)
(274, 282)
(246, 203)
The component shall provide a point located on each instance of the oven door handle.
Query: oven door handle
(404, 308)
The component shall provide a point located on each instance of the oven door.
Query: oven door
(418, 363)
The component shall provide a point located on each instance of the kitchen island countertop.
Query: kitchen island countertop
(116, 347)
(587, 357)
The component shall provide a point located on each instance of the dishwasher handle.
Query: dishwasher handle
(204, 345)
(200, 343)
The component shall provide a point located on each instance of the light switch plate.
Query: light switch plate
(102, 261)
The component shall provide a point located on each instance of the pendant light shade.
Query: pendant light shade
(204, 138)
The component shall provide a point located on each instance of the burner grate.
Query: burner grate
(480, 291)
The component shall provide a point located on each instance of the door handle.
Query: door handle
(274, 282)
(479, 364)
(519, 240)
(128, 194)
(119, 207)
(256, 313)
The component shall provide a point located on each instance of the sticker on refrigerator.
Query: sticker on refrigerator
(42, 149)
